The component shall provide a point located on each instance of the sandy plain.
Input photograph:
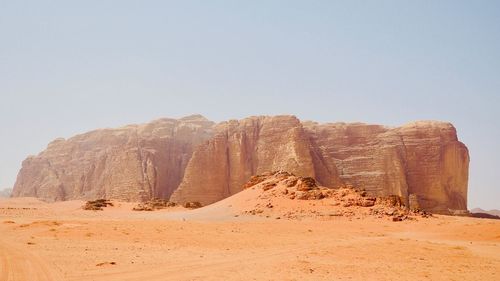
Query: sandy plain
(60, 241)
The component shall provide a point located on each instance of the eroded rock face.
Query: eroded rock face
(421, 160)
(194, 160)
(135, 162)
(220, 167)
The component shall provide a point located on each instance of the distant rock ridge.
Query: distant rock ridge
(194, 159)
(493, 212)
(6, 192)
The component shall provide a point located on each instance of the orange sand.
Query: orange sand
(59, 241)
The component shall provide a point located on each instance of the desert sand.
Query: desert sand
(60, 241)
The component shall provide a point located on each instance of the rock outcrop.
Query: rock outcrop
(133, 163)
(480, 213)
(240, 149)
(194, 160)
(422, 160)
(5, 192)
(282, 195)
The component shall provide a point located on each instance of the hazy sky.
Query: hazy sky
(68, 67)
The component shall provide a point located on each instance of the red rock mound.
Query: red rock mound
(283, 195)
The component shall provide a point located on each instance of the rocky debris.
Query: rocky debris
(368, 202)
(268, 185)
(291, 182)
(397, 213)
(255, 180)
(153, 205)
(306, 184)
(194, 159)
(399, 218)
(97, 205)
(193, 205)
(106, 263)
(344, 201)
(315, 194)
(391, 200)
(254, 212)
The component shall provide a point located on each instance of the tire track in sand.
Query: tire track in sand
(20, 265)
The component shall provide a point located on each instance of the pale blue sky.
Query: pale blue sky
(68, 67)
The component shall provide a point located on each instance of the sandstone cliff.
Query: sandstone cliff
(422, 159)
(423, 162)
(241, 149)
(134, 162)
(193, 159)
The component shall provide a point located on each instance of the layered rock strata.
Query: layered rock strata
(193, 159)
(132, 163)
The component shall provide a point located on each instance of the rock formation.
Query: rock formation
(423, 159)
(134, 162)
(494, 212)
(281, 195)
(193, 159)
(5, 192)
(254, 145)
